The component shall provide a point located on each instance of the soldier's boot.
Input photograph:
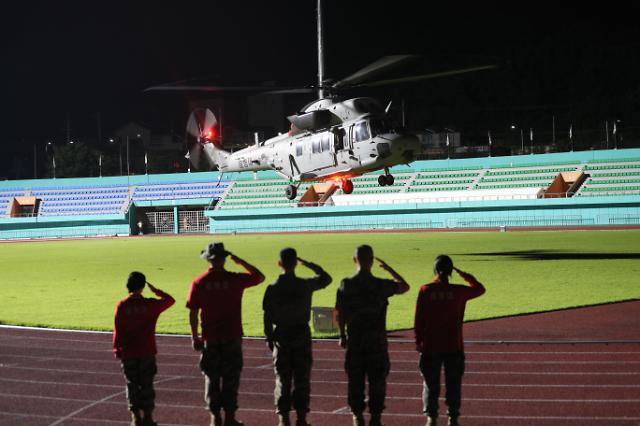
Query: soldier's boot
(216, 419)
(358, 420)
(432, 421)
(283, 419)
(453, 421)
(302, 419)
(376, 420)
(136, 418)
(148, 418)
(230, 419)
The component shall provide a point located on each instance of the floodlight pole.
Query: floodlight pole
(320, 52)
(128, 156)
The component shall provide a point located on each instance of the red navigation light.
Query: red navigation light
(209, 134)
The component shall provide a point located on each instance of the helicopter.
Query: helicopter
(330, 139)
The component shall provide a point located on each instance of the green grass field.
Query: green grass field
(77, 283)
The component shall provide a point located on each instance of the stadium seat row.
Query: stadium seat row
(611, 188)
(441, 182)
(529, 171)
(611, 181)
(612, 166)
(437, 188)
(518, 178)
(507, 185)
(616, 160)
(446, 175)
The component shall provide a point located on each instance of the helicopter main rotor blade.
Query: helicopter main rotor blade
(377, 67)
(425, 76)
(224, 89)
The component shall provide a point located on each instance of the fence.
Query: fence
(189, 222)
(194, 222)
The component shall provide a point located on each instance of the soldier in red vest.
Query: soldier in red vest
(438, 332)
(134, 343)
(215, 302)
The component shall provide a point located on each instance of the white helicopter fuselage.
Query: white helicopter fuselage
(354, 139)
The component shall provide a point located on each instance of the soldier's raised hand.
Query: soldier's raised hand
(384, 265)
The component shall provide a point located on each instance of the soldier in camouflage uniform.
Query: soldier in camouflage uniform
(362, 309)
(287, 306)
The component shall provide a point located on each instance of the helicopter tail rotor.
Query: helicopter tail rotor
(202, 139)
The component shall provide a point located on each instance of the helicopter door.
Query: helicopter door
(345, 156)
(322, 155)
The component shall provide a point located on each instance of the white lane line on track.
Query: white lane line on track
(46, 382)
(334, 396)
(169, 389)
(401, 341)
(107, 348)
(386, 415)
(78, 419)
(412, 384)
(564, 419)
(342, 410)
(393, 361)
(395, 372)
(263, 366)
(100, 401)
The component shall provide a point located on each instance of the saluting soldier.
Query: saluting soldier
(134, 343)
(287, 310)
(438, 329)
(361, 303)
(215, 299)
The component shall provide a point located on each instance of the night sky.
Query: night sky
(79, 59)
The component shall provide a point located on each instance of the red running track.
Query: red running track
(573, 367)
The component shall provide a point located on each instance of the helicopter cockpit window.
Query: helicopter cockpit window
(361, 131)
(379, 127)
(299, 147)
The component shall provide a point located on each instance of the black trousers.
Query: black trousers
(367, 358)
(430, 365)
(221, 363)
(139, 374)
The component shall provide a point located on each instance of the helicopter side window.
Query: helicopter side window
(338, 138)
(326, 142)
(361, 131)
(299, 147)
(315, 146)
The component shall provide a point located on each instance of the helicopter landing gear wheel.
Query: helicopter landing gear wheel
(384, 180)
(291, 191)
(390, 180)
(347, 186)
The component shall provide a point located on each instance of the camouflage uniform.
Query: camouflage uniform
(287, 305)
(362, 300)
(139, 374)
(221, 362)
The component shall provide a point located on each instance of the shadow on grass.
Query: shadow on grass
(556, 255)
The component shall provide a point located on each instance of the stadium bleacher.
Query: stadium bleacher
(608, 174)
